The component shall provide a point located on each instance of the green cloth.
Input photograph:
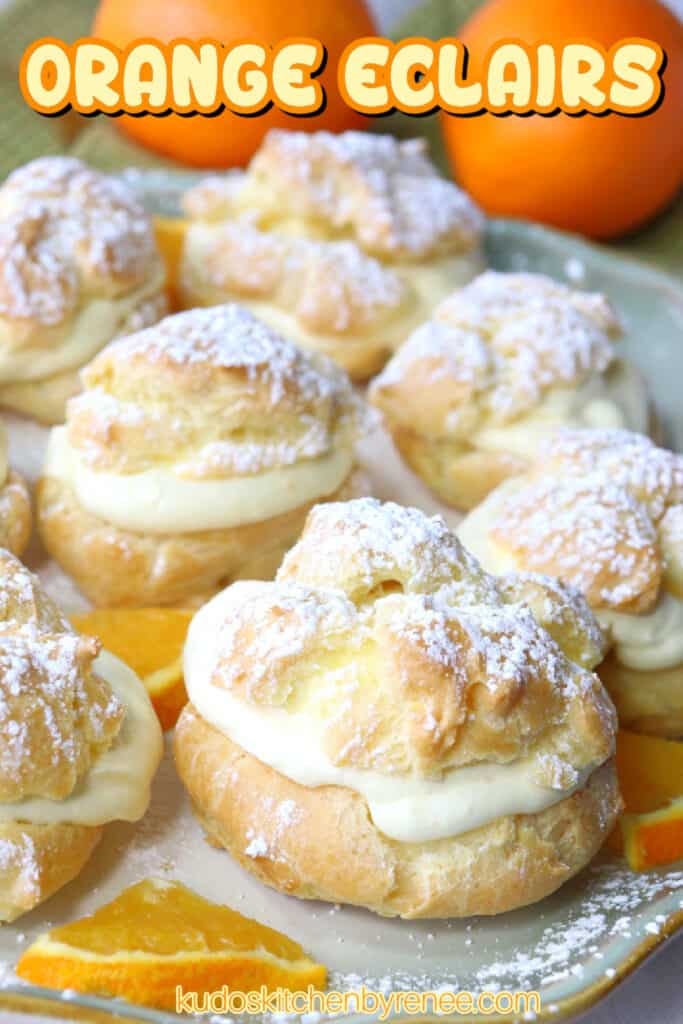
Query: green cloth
(25, 134)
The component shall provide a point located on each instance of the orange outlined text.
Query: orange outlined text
(374, 76)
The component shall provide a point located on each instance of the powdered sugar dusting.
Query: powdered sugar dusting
(65, 229)
(385, 192)
(54, 713)
(378, 614)
(502, 343)
(590, 514)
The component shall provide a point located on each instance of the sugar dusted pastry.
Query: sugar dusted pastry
(15, 504)
(79, 744)
(387, 725)
(603, 510)
(342, 242)
(502, 363)
(78, 266)
(192, 457)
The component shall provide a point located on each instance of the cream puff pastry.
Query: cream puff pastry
(342, 242)
(78, 266)
(79, 744)
(387, 725)
(502, 363)
(16, 519)
(603, 511)
(192, 457)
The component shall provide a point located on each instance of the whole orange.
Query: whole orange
(602, 176)
(228, 139)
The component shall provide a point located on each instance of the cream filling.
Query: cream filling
(651, 641)
(117, 785)
(648, 642)
(616, 399)
(405, 808)
(159, 501)
(92, 327)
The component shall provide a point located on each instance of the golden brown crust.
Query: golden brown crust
(214, 389)
(37, 860)
(16, 518)
(646, 701)
(115, 567)
(78, 266)
(597, 509)
(460, 477)
(382, 192)
(342, 242)
(56, 713)
(496, 353)
(330, 849)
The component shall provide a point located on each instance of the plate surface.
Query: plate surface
(574, 945)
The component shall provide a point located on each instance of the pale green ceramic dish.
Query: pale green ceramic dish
(574, 946)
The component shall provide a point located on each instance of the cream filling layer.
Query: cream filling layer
(405, 808)
(648, 642)
(616, 399)
(92, 327)
(651, 641)
(117, 785)
(160, 501)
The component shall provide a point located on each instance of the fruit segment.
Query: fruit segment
(150, 641)
(650, 773)
(158, 935)
(654, 839)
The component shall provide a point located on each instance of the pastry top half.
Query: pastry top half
(384, 659)
(341, 235)
(505, 357)
(78, 263)
(206, 414)
(79, 741)
(602, 510)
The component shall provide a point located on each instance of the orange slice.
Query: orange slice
(158, 935)
(151, 641)
(654, 839)
(650, 771)
(170, 235)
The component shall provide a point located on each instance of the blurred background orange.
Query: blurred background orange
(228, 139)
(602, 176)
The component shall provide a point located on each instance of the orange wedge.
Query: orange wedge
(650, 771)
(158, 935)
(151, 641)
(654, 839)
(170, 235)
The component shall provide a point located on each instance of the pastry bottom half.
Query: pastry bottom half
(648, 702)
(37, 860)
(15, 514)
(122, 568)
(326, 846)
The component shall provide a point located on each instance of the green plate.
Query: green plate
(571, 948)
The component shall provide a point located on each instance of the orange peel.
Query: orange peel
(158, 935)
(151, 641)
(654, 839)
